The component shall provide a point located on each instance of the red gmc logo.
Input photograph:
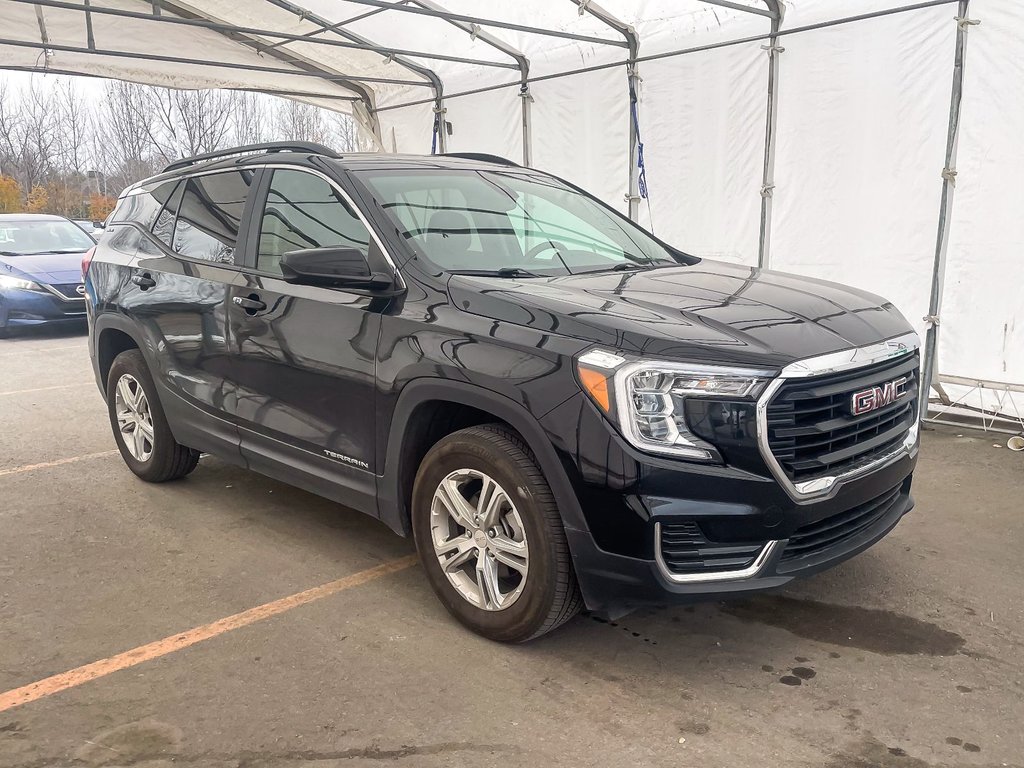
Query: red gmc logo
(869, 399)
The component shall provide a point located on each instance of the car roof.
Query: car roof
(30, 217)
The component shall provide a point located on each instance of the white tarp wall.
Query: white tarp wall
(862, 123)
(863, 117)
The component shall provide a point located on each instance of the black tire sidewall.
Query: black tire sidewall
(527, 614)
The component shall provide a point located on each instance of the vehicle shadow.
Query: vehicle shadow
(675, 649)
(64, 330)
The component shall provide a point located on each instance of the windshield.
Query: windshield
(27, 237)
(517, 221)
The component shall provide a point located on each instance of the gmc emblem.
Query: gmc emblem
(869, 399)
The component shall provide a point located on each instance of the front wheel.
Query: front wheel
(490, 537)
(140, 427)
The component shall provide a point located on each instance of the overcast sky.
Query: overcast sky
(87, 86)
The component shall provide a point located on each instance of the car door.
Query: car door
(179, 296)
(303, 357)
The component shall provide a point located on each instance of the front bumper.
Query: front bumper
(743, 519)
(24, 308)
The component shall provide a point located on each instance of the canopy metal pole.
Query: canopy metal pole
(771, 121)
(402, 61)
(522, 63)
(527, 104)
(929, 365)
(366, 94)
(633, 79)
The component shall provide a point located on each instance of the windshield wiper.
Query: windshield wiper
(626, 266)
(9, 253)
(503, 272)
(54, 251)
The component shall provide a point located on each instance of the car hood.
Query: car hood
(710, 312)
(51, 268)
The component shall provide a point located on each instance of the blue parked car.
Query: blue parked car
(40, 270)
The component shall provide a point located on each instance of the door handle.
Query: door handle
(251, 303)
(144, 281)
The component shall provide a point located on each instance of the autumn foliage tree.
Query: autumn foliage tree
(38, 200)
(100, 207)
(10, 195)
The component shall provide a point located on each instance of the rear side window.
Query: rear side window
(304, 211)
(209, 215)
(142, 207)
(163, 229)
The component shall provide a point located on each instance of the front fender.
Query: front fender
(393, 509)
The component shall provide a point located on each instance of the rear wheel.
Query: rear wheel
(490, 537)
(140, 428)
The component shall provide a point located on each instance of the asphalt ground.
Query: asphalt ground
(229, 621)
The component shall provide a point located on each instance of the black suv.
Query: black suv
(561, 409)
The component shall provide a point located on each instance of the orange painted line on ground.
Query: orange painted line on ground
(44, 389)
(57, 463)
(155, 650)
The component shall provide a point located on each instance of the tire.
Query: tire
(165, 458)
(523, 512)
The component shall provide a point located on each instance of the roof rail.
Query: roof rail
(482, 156)
(269, 146)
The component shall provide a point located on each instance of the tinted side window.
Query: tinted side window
(163, 229)
(304, 211)
(143, 207)
(209, 215)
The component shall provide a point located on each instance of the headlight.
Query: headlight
(6, 281)
(645, 399)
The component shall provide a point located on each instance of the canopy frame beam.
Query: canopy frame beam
(771, 11)
(929, 364)
(521, 62)
(191, 19)
(633, 81)
(366, 95)
(440, 124)
(486, 22)
(307, 36)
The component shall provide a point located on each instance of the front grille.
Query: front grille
(812, 431)
(685, 550)
(67, 290)
(816, 537)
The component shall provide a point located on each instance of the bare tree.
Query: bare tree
(10, 119)
(298, 121)
(122, 134)
(250, 118)
(71, 127)
(346, 133)
(190, 122)
(61, 148)
(28, 135)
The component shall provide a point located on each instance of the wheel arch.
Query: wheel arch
(112, 338)
(414, 429)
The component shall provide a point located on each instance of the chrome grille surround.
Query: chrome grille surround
(834, 362)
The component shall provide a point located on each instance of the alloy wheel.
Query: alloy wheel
(134, 418)
(479, 539)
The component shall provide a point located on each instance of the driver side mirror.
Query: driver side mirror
(331, 267)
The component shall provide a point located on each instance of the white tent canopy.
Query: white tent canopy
(842, 176)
